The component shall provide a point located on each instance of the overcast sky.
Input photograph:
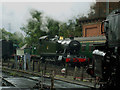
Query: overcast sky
(14, 15)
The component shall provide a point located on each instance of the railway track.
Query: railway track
(15, 82)
(31, 81)
(6, 83)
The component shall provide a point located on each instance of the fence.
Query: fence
(78, 73)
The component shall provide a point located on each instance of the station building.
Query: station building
(92, 27)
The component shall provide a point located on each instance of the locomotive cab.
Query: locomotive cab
(112, 29)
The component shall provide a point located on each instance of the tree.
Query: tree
(5, 35)
(78, 28)
(70, 28)
(36, 27)
(33, 28)
(63, 30)
(16, 37)
(74, 27)
(98, 9)
(53, 27)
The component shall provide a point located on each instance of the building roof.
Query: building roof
(23, 47)
(92, 20)
(90, 38)
(43, 37)
(99, 39)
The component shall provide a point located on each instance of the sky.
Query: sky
(15, 14)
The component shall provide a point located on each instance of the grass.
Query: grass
(13, 74)
(60, 76)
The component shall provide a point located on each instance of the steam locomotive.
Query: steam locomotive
(106, 59)
(61, 51)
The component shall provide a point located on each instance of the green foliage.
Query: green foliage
(36, 27)
(53, 27)
(72, 27)
(5, 35)
(78, 28)
(98, 9)
(63, 30)
(33, 28)
(16, 38)
(13, 74)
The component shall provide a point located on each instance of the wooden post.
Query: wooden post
(75, 70)
(82, 73)
(65, 70)
(28, 57)
(52, 79)
(25, 61)
(15, 58)
(38, 65)
(22, 64)
(45, 69)
(33, 65)
(42, 80)
(8, 62)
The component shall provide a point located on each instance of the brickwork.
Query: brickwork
(92, 29)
